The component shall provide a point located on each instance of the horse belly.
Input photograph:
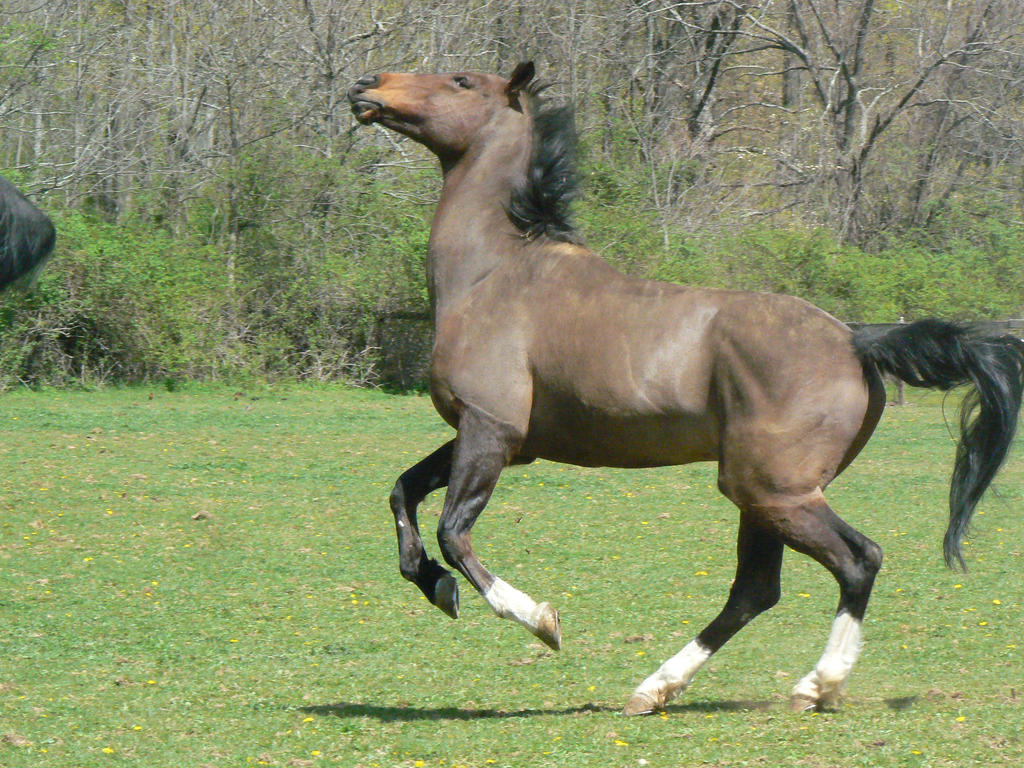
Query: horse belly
(575, 433)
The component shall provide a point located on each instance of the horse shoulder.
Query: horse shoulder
(480, 360)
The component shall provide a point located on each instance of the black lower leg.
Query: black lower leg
(483, 448)
(756, 588)
(853, 559)
(411, 488)
(481, 452)
(855, 587)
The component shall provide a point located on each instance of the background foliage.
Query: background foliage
(220, 214)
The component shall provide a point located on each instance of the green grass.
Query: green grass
(209, 578)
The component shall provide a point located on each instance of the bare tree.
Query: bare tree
(840, 51)
(858, 116)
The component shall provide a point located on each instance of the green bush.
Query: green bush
(116, 303)
(976, 279)
(303, 283)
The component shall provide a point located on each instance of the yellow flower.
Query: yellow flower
(621, 743)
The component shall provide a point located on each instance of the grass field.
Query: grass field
(209, 578)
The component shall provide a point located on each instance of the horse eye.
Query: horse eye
(462, 82)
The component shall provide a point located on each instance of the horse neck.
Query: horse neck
(471, 232)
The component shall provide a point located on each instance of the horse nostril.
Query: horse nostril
(365, 82)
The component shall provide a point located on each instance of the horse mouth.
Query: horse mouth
(366, 111)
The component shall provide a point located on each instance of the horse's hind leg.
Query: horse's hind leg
(482, 449)
(412, 487)
(755, 590)
(854, 560)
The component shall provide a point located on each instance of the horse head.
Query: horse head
(444, 112)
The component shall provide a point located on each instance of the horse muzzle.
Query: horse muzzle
(365, 109)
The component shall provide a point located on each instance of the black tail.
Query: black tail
(937, 354)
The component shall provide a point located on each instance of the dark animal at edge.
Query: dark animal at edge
(543, 350)
(26, 237)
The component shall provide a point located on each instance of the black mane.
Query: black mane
(541, 203)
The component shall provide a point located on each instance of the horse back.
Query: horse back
(595, 367)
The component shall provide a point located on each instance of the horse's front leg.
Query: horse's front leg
(483, 448)
(412, 487)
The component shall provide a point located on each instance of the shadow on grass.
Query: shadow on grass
(896, 704)
(391, 713)
(722, 706)
(901, 703)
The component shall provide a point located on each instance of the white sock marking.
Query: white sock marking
(673, 677)
(832, 669)
(509, 603)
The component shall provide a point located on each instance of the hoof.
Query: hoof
(641, 704)
(830, 700)
(548, 627)
(446, 595)
(801, 702)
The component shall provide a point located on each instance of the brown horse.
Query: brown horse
(544, 351)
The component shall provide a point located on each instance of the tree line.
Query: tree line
(220, 214)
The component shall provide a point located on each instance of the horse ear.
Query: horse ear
(521, 77)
